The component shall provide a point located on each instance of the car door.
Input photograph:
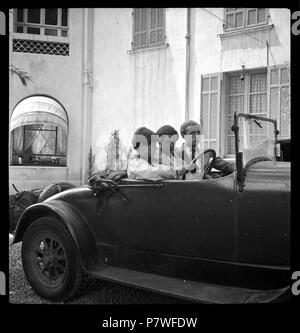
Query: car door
(186, 218)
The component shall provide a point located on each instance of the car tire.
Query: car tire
(51, 261)
(52, 189)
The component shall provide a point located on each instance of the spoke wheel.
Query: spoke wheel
(50, 259)
(51, 262)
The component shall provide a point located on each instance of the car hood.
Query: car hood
(270, 170)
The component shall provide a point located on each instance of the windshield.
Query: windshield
(256, 137)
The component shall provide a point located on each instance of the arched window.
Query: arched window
(39, 130)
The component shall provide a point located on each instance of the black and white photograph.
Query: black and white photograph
(149, 157)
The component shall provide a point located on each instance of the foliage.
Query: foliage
(91, 161)
(24, 76)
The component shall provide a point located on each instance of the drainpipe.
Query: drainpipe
(87, 37)
(187, 64)
(268, 46)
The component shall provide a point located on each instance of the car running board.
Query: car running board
(189, 290)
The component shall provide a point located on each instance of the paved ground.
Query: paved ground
(93, 292)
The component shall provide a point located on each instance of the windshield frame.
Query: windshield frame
(252, 117)
(239, 154)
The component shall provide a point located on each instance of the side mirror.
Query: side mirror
(240, 172)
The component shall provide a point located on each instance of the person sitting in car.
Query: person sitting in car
(144, 164)
(168, 136)
(191, 132)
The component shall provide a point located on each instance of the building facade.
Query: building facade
(98, 70)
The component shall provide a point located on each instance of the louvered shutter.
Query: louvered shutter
(279, 98)
(140, 27)
(210, 110)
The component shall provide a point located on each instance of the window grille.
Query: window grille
(41, 47)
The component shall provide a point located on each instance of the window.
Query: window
(263, 92)
(239, 18)
(245, 96)
(39, 128)
(39, 145)
(42, 21)
(148, 27)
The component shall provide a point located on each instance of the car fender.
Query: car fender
(71, 218)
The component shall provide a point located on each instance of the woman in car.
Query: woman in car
(168, 136)
(144, 164)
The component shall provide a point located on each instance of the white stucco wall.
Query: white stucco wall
(58, 77)
(217, 54)
(135, 89)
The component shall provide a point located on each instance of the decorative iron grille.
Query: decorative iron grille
(42, 47)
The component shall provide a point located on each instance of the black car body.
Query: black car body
(222, 240)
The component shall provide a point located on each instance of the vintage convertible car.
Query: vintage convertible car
(218, 240)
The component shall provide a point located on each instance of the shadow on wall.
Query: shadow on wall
(156, 89)
(251, 40)
(156, 99)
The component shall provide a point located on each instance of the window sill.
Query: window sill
(37, 166)
(246, 31)
(148, 49)
(44, 38)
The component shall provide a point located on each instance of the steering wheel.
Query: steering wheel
(209, 158)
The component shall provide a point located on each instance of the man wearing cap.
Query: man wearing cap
(144, 164)
(168, 137)
(191, 131)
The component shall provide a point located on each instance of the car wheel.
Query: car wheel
(51, 261)
(52, 189)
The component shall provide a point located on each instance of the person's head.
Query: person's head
(193, 129)
(167, 138)
(141, 142)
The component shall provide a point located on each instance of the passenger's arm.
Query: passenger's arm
(141, 169)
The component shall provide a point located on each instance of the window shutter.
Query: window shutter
(140, 27)
(244, 17)
(279, 98)
(136, 27)
(148, 27)
(210, 111)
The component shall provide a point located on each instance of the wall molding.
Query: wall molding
(246, 31)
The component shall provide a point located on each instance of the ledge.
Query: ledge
(148, 49)
(246, 31)
(42, 38)
(38, 167)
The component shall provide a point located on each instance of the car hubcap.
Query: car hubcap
(50, 261)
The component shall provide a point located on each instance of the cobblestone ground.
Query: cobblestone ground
(93, 292)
